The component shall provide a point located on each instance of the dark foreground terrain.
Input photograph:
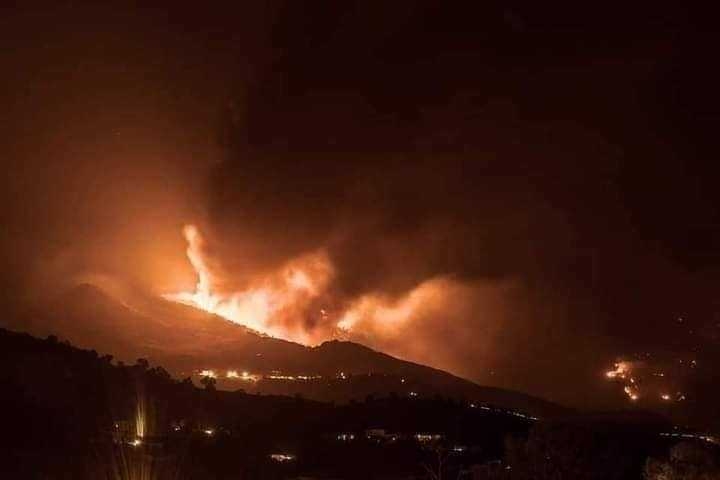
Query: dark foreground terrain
(74, 414)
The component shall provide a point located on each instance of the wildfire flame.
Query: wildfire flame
(267, 299)
(293, 302)
(641, 379)
(620, 370)
(202, 296)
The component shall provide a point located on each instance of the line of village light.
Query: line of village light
(254, 377)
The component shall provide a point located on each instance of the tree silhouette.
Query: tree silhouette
(687, 461)
(436, 469)
(209, 383)
(555, 452)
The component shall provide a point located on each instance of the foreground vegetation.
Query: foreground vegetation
(70, 413)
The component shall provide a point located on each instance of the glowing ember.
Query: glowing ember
(650, 378)
(232, 374)
(621, 370)
(631, 392)
(208, 373)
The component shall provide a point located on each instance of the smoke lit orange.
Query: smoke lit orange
(269, 298)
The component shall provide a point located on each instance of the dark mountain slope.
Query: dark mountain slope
(186, 340)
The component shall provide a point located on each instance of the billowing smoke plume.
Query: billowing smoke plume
(271, 303)
(434, 180)
(483, 328)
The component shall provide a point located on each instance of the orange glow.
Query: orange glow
(385, 316)
(268, 298)
(274, 302)
(621, 370)
(244, 376)
(295, 302)
(632, 393)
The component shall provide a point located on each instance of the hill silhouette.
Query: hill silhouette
(62, 406)
(62, 409)
(187, 341)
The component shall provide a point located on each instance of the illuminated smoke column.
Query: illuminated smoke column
(275, 303)
(436, 322)
(386, 316)
(271, 303)
(297, 302)
(201, 297)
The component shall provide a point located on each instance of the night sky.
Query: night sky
(552, 169)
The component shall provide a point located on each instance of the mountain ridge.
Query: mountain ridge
(187, 341)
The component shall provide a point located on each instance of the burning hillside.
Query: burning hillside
(297, 302)
(267, 301)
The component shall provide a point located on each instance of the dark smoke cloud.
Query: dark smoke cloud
(521, 157)
(436, 146)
